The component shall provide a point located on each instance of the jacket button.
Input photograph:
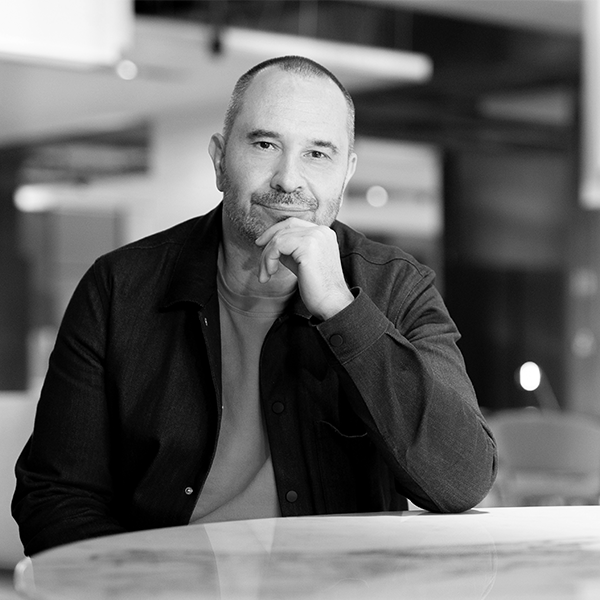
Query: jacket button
(291, 496)
(189, 491)
(278, 407)
(336, 340)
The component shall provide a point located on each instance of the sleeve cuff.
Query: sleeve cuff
(355, 328)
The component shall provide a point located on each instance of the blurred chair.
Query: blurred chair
(546, 457)
(17, 411)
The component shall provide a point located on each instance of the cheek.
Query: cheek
(248, 177)
(328, 180)
(329, 189)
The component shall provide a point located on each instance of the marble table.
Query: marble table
(529, 553)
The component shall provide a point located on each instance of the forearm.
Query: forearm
(64, 485)
(50, 515)
(64, 489)
(417, 403)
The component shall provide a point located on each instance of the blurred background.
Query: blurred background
(478, 142)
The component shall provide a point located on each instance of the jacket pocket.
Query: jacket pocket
(343, 459)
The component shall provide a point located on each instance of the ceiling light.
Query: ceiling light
(33, 198)
(377, 196)
(126, 69)
(352, 63)
(589, 194)
(68, 33)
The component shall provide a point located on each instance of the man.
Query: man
(261, 360)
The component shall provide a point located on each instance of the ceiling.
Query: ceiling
(548, 15)
(481, 50)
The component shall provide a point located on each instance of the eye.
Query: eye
(262, 145)
(317, 154)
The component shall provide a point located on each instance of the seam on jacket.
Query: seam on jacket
(424, 273)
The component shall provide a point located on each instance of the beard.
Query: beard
(251, 224)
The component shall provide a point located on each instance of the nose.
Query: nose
(287, 175)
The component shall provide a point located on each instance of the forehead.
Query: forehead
(285, 101)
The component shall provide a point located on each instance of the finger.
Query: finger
(269, 265)
(280, 250)
(289, 223)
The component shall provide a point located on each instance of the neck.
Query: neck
(239, 261)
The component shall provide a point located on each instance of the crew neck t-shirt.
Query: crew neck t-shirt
(241, 483)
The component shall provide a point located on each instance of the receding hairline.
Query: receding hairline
(299, 65)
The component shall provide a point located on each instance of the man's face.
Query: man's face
(287, 154)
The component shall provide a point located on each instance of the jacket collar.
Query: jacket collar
(194, 278)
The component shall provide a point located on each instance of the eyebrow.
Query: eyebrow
(265, 133)
(261, 133)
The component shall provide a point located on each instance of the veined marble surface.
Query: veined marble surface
(516, 553)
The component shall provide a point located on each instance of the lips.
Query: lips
(285, 202)
(286, 207)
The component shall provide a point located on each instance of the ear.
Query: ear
(351, 168)
(216, 149)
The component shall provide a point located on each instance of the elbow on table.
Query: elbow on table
(461, 488)
(473, 490)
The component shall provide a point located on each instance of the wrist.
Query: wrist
(334, 304)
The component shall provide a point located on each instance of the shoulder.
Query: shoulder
(397, 283)
(359, 253)
(140, 268)
(171, 238)
(145, 264)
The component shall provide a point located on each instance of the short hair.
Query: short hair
(294, 64)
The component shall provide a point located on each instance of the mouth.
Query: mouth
(286, 208)
(282, 212)
(279, 206)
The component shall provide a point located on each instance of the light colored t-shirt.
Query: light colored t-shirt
(241, 483)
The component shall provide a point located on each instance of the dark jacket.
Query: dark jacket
(362, 411)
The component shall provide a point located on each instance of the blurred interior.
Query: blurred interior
(483, 168)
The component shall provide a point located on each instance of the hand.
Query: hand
(311, 252)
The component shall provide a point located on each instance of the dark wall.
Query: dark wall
(507, 223)
(13, 281)
(508, 316)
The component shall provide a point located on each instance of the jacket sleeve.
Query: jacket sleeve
(405, 377)
(64, 488)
